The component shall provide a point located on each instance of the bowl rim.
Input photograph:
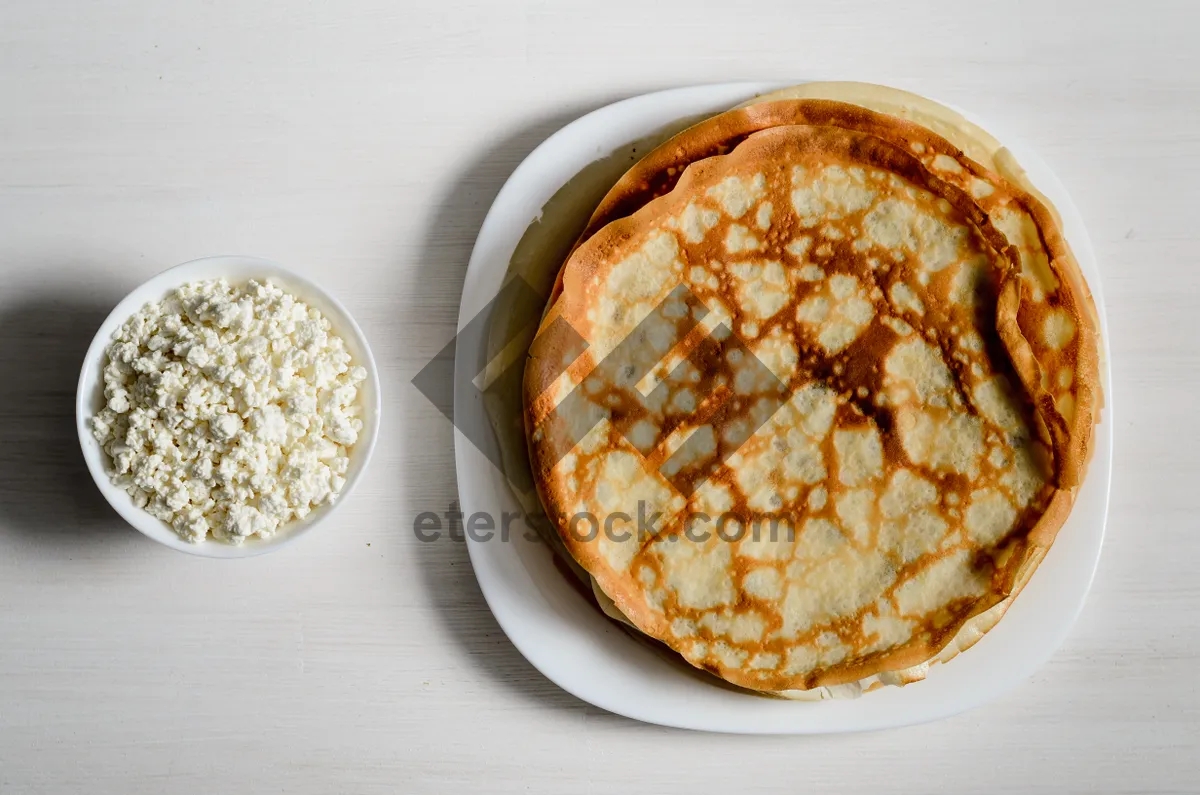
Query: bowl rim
(233, 267)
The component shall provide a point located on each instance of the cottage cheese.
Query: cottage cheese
(230, 410)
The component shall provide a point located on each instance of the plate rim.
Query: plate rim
(574, 139)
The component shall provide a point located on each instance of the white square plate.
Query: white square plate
(570, 642)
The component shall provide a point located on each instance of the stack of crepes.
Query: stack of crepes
(816, 390)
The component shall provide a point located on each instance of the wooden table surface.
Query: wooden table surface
(361, 142)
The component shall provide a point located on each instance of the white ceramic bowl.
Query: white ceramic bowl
(89, 397)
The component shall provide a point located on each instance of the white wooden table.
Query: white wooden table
(361, 142)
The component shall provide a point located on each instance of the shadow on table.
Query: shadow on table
(430, 477)
(46, 493)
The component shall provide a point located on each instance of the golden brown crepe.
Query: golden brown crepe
(843, 328)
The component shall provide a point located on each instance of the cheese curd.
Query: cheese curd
(230, 410)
